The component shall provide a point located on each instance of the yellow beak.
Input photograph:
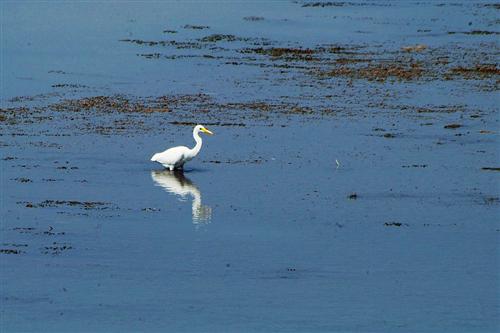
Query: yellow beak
(204, 130)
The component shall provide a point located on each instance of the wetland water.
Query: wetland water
(263, 232)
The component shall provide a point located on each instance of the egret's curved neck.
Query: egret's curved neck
(197, 147)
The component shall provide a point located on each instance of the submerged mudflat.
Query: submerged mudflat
(351, 184)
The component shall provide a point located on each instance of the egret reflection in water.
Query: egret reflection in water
(176, 183)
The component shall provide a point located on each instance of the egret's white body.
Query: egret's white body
(174, 158)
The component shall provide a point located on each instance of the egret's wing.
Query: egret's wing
(171, 156)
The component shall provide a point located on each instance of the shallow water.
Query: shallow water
(264, 231)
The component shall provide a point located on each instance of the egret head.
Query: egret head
(200, 128)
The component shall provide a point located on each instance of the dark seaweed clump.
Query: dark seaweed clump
(219, 37)
(196, 27)
(325, 4)
(482, 70)
(74, 203)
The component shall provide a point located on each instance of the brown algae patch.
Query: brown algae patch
(285, 53)
(176, 44)
(196, 27)
(250, 161)
(437, 109)
(123, 104)
(69, 85)
(221, 124)
(106, 103)
(13, 115)
(23, 180)
(188, 110)
(374, 63)
(253, 18)
(452, 126)
(478, 71)
(380, 72)
(87, 205)
(56, 248)
(219, 37)
(11, 251)
(490, 168)
(326, 4)
(395, 224)
(475, 32)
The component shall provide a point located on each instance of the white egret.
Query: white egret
(174, 158)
